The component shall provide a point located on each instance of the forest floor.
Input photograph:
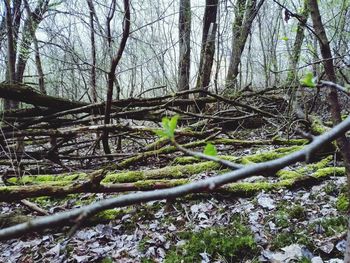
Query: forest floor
(306, 224)
(295, 215)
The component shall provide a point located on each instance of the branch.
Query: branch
(330, 84)
(228, 164)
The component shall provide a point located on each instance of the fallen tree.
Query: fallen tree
(28, 95)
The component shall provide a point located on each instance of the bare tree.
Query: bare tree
(207, 48)
(92, 14)
(245, 14)
(342, 141)
(11, 54)
(111, 74)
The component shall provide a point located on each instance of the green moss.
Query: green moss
(107, 260)
(297, 212)
(317, 127)
(271, 155)
(304, 260)
(332, 225)
(294, 236)
(233, 244)
(150, 184)
(185, 160)
(312, 167)
(329, 171)
(143, 244)
(287, 174)
(249, 188)
(279, 140)
(281, 219)
(110, 214)
(47, 178)
(331, 189)
(343, 203)
(170, 172)
(4, 189)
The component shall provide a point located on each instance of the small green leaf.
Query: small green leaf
(161, 133)
(169, 126)
(173, 123)
(308, 80)
(285, 38)
(210, 150)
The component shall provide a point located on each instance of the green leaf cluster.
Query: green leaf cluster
(168, 128)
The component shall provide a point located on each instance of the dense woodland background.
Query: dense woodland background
(109, 104)
(68, 50)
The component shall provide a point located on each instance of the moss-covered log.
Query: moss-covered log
(12, 193)
(168, 172)
(219, 141)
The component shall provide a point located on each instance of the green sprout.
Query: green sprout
(210, 150)
(168, 128)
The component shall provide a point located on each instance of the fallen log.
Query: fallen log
(24, 93)
(242, 189)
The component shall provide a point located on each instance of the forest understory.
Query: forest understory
(297, 214)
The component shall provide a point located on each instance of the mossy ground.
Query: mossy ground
(233, 243)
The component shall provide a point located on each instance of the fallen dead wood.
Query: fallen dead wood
(28, 95)
(182, 170)
(94, 128)
(208, 184)
(242, 189)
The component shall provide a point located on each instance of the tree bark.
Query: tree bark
(111, 76)
(299, 38)
(30, 25)
(207, 47)
(11, 55)
(342, 141)
(245, 15)
(184, 45)
(93, 51)
(28, 95)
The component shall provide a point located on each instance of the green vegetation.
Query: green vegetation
(308, 80)
(294, 236)
(332, 225)
(297, 212)
(234, 244)
(342, 203)
(281, 219)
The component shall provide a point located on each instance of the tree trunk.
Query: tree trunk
(299, 38)
(30, 25)
(207, 48)
(11, 55)
(184, 45)
(342, 142)
(244, 17)
(93, 51)
(32, 29)
(111, 76)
